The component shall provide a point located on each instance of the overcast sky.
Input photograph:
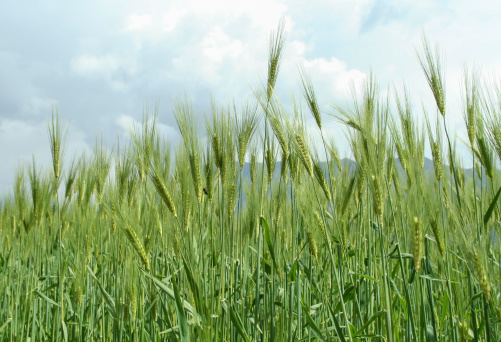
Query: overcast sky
(103, 62)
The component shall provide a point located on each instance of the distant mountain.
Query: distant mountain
(351, 165)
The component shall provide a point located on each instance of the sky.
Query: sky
(103, 64)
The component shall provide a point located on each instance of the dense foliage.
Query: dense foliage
(250, 230)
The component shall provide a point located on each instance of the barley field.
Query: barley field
(251, 230)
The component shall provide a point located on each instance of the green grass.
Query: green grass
(143, 248)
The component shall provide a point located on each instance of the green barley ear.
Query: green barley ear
(185, 117)
(435, 149)
(396, 184)
(484, 155)
(309, 94)
(283, 167)
(420, 151)
(208, 170)
(158, 222)
(485, 286)
(140, 167)
(333, 152)
(378, 198)
(270, 163)
(154, 304)
(133, 300)
(57, 139)
(64, 229)
(186, 209)
(70, 180)
(328, 215)
(278, 210)
(438, 236)
(319, 174)
(147, 243)
(216, 149)
(253, 168)
(121, 254)
(196, 174)
(35, 189)
(176, 245)
(13, 225)
(390, 162)
(432, 69)
(241, 149)
(88, 249)
(312, 244)
(472, 105)
(437, 161)
(320, 224)
(246, 126)
(78, 294)
(463, 332)
(232, 193)
(162, 191)
(277, 126)
(113, 226)
(138, 246)
(20, 193)
(347, 195)
(304, 153)
(401, 153)
(102, 167)
(277, 43)
(417, 243)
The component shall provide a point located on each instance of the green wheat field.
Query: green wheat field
(251, 231)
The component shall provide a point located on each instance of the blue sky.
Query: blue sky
(103, 62)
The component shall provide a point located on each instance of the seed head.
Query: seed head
(438, 237)
(163, 192)
(485, 286)
(312, 244)
(253, 168)
(417, 244)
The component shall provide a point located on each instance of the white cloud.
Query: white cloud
(126, 122)
(172, 18)
(262, 13)
(138, 22)
(88, 65)
(335, 73)
(105, 67)
(217, 45)
(37, 105)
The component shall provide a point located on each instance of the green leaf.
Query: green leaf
(312, 323)
(293, 272)
(404, 256)
(170, 292)
(366, 324)
(430, 334)
(236, 320)
(5, 324)
(65, 331)
(267, 237)
(107, 297)
(489, 211)
(348, 295)
(336, 324)
(426, 276)
(199, 303)
(47, 299)
(366, 277)
(184, 330)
